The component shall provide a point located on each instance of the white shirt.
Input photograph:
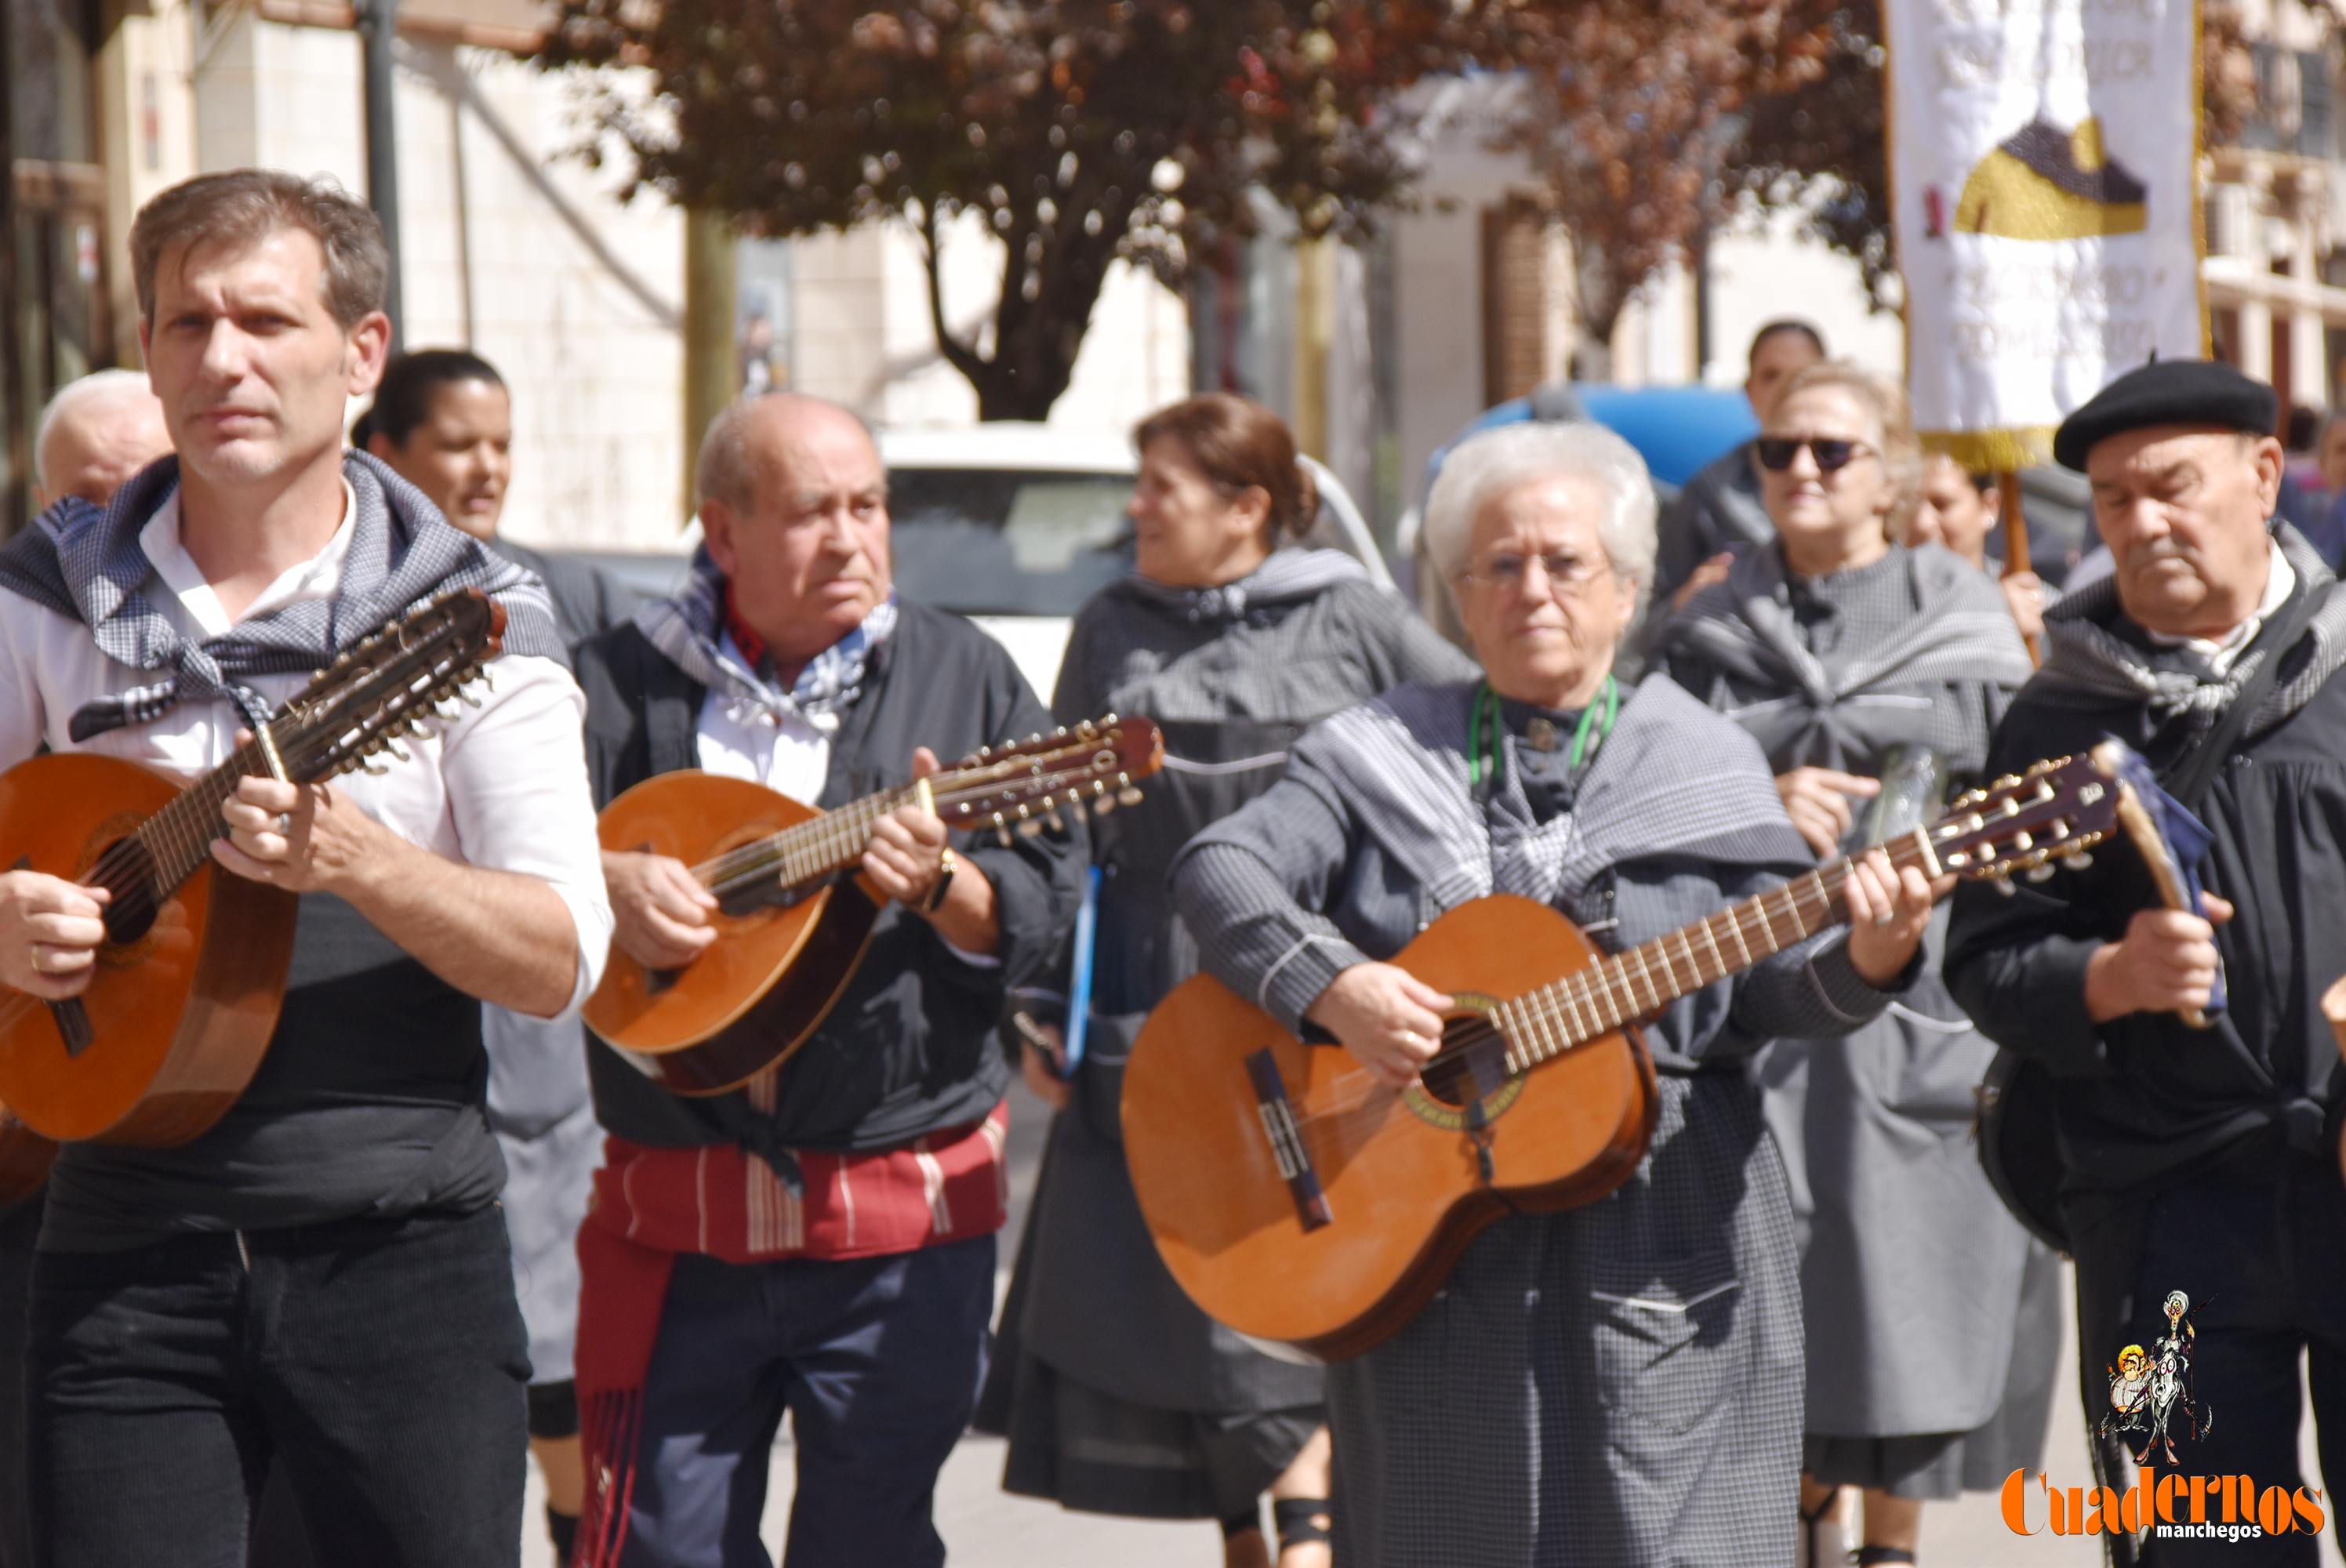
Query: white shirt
(2219, 654)
(503, 786)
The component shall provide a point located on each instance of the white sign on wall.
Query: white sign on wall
(2043, 189)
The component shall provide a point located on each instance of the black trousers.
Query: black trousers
(379, 1363)
(20, 1225)
(2264, 1267)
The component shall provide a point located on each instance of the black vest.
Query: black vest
(910, 1047)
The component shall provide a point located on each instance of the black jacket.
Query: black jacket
(2144, 1100)
(909, 1048)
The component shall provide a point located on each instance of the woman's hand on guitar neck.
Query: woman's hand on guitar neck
(49, 934)
(1390, 1019)
(1889, 909)
(660, 911)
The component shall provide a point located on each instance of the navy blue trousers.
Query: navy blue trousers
(378, 1364)
(2265, 1267)
(876, 1360)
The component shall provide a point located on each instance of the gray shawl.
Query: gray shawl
(1656, 787)
(88, 565)
(2085, 661)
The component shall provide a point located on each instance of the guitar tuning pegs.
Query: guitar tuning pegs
(372, 769)
(1129, 795)
(983, 752)
(2040, 872)
(1060, 733)
(2004, 885)
(1002, 829)
(1058, 823)
(1035, 738)
(2078, 862)
(1029, 827)
(1102, 805)
(1108, 720)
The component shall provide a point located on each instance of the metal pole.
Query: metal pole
(2016, 541)
(377, 21)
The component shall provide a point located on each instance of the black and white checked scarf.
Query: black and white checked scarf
(1657, 788)
(2083, 657)
(689, 631)
(88, 563)
(1291, 574)
(1746, 628)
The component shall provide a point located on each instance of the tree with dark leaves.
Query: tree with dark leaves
(1081, 132)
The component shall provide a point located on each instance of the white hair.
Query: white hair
(71, 396)
(1485, 466)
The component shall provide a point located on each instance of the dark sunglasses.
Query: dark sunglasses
(1776, 451)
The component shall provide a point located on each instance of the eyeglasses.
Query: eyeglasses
(1777, 451)
(1565, 574)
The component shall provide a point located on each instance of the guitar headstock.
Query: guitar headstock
(385, 687)
(1019, 785)
(2057, 810)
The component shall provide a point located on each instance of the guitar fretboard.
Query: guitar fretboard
(1625, 987)
(814, 850)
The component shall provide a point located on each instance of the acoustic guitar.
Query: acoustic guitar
(192, 973)
(1298, 1199)
(792, 919)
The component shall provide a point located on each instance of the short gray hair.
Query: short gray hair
(1487, 465)
(727, 468)
(72, 395)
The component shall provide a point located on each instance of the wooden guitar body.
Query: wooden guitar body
(756, 992)
(1407, 1178)
(183, 1004)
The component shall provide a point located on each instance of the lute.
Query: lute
(1298, 1199)
(792, 919)
(192, 973)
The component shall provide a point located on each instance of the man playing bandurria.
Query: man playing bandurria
(318, 1282)
(821, 1241)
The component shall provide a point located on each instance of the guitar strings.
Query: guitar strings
(805, 852)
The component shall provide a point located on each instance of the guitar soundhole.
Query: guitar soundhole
(126, 871)
(1472, 1064)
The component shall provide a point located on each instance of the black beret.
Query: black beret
(2167, 392)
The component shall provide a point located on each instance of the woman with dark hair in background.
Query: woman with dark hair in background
(1116, 1394)
(443, 420)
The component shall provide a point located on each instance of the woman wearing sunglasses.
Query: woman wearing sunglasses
(1872, 674)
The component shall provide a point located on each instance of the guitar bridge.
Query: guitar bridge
(1285, 1137)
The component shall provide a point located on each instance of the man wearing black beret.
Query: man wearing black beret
(2196, 1160)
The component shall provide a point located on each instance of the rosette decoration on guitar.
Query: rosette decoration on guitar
(792, 917)
(192, 973)
(1299, 1199)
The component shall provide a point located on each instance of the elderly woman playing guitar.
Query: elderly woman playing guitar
(1618, 1383)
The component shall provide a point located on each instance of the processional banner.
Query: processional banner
(2043, 184)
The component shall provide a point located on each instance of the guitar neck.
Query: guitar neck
(178, 838)
(812, 852)
(1625, 987)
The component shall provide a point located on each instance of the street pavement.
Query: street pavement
(985, 1527)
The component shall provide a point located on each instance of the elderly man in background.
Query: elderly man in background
(94, 433)
(2197, 1160)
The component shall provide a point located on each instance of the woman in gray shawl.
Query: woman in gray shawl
(1872, 673)
(1619, 1384)
(1116, 1394)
